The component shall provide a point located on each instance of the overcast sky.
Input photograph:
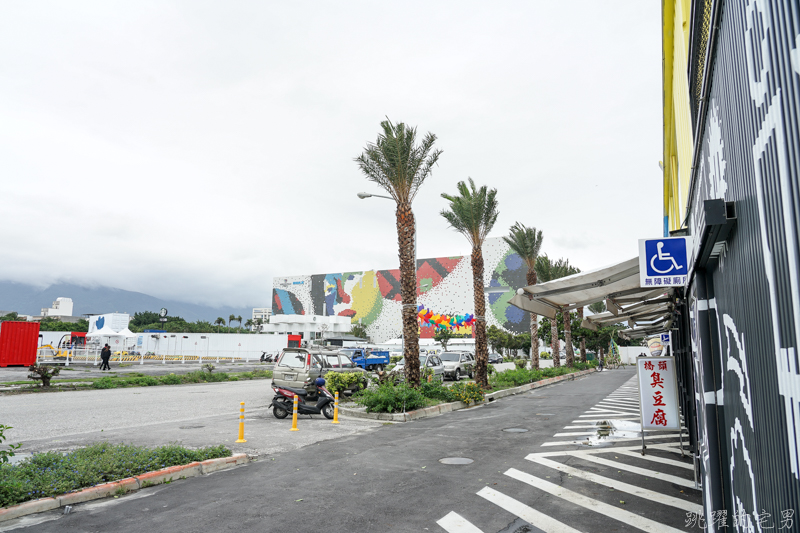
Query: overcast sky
(194, 150)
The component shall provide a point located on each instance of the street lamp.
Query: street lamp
(364, 195)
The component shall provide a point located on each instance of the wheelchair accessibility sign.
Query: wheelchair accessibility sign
(663, 262)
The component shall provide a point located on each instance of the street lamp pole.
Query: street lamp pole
(364, 195)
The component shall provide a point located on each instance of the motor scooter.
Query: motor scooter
(307, 404)
(266, 358)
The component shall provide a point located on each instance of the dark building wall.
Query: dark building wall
(744, 299)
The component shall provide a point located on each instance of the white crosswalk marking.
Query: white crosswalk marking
(455, 523)
(529, 514)
(601, 434)
(645, 524)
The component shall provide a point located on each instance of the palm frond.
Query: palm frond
(396, 163)
(473, 212)
(525, 242)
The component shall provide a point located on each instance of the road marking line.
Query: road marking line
(595, 414)
(529, 514)
(607, 418)
(572, 442)
(657, 459)
(616, 408)
(641, 471)
(647, 494)
(619, 403)
(626, 517)
(455, 523)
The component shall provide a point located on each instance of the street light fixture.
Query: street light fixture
(364, 195)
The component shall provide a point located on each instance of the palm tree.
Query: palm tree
(249, 323)
(473, 214)
(583, 338)
(526, 243)
(400, 166)
(239, 320)
(219, 322)
(548, 270)
(259, 324)
(231, 319)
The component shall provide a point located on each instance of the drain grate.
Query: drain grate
(456, 461)
(515, 430)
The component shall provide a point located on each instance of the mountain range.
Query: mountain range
(29, 300)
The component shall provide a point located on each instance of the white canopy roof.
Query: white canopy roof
(617, 285)
(105, 331)
(127, 333)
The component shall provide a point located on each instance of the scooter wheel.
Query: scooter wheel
(280, 412)
(328, 411)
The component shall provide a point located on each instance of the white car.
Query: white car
(457, 364)
(425, 361)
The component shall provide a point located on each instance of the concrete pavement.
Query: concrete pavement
(391, 478)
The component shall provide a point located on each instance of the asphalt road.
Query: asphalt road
(193, 415)
(391, 479)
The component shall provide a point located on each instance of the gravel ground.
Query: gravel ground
(194, 415)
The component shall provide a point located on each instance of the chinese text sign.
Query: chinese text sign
(658, 394)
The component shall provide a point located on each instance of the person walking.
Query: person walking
(105, 356)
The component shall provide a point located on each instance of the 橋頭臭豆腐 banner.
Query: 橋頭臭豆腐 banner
(658, 392)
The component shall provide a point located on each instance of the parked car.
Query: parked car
(299, 367)
(425, 361)
(495, 358)
(457, 364)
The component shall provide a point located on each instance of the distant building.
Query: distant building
(262, 313)
(61, 307)
(308, 326)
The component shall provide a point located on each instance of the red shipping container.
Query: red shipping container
(18, 343)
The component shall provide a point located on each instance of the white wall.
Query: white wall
(211, 345)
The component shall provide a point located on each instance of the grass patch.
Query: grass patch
(51, 473)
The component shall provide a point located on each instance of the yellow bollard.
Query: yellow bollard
(294, 414)
(241, 424)
(335, 409)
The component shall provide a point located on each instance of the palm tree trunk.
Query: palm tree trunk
(534, 341)
(568, 338)
(554, 345)
(481, 352)
(408, 290)
(583, 339)
(530, 278)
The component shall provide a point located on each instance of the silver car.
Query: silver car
(457, 364)
(425, 361)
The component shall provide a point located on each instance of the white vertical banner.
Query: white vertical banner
(658, 392)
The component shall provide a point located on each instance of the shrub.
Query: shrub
(169, 379)
(394, 359)
(342, 381)
(467, 392)
(105, 383)
(490, 369)
(43, 373)
(436, 390)
(52, 473)
(520, 363)
(585, 366)
(389, 398)
(5, 454)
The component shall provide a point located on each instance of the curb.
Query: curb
(148, 479)
(443, 408)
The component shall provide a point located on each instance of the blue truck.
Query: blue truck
(366, 358)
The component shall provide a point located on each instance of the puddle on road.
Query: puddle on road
(610, 430)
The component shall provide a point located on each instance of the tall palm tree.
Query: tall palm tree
(399, 165)
(249, 323)
(527, 242)
(548, 270)
(473, 214)
(219, 322)
(239, 320)
(231, 319)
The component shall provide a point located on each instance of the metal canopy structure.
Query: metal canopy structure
(646, 310)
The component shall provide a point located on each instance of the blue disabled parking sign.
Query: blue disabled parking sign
(663, 262)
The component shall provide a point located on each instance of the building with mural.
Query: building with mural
(372, 298)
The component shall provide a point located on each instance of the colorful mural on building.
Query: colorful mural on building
(372, 298)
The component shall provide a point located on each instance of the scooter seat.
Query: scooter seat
(299, 392)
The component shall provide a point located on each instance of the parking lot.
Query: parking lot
(193, 415)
